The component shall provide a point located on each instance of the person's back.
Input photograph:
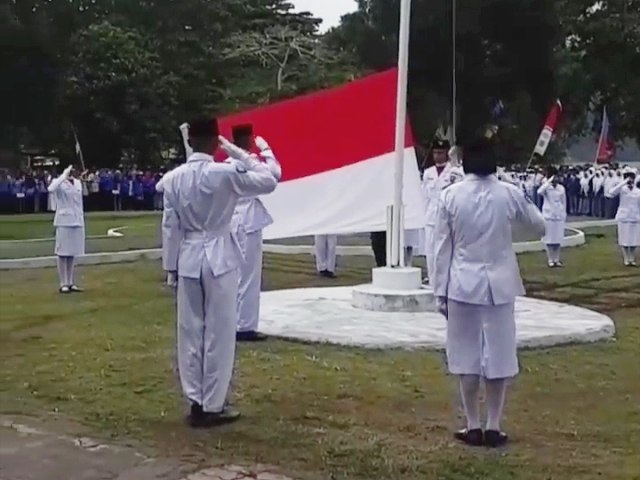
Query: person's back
(200, 248)
(476, 282)
(482, 263)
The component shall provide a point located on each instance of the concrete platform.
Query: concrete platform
(325, 315)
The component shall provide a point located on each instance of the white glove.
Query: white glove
(172, 279)
(234, 151)
(184, 128)
(442, 307)
(67, 171)
(454, 155)
(262, 144)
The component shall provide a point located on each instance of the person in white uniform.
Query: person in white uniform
(201, 249)
(435, 179)
(325, 252)
(66, 191)
(253, 218)
(554, 211)
(628, 216)
(476, 280)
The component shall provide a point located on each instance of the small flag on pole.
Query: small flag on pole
(605, 146)
(549, 127)
(78, 149)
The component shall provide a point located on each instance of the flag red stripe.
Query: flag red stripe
(329, 129)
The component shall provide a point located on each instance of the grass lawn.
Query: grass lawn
(105, 359)
(140, 232)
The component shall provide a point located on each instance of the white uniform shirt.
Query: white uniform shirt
(475, 262)
(432, 186)
(252, 212)
(629, 209)
(555, 201)
(200, 198)
(68, 201)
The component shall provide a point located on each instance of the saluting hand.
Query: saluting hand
(262, 144)
(67, 171)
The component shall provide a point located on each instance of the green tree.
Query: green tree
(118, 96)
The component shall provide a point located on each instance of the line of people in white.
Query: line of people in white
(212, 251)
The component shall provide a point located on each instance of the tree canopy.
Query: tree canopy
(124, 73)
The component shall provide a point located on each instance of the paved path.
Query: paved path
(29, 451)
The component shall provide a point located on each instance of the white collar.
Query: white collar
(199, 157)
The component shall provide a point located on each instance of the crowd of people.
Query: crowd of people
(102, 190)
(586, 188)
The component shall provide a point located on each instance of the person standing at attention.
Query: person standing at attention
(435, 179)
(66, 191)
(252, 218)
(476, 281)
(554, 211)
(325, 252)
(628, 216)
(201, 250)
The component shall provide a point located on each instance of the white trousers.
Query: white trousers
(481, 340)
(429, 249)
(207, 318)
(325, 251)
(250, 283)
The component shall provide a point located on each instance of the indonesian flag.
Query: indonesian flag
(606, 148)
(549, 127)
(336, 148)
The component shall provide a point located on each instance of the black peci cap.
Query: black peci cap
(440, 144)
(241, 131)
(204, 128)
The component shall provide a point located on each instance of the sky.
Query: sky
(329, 10)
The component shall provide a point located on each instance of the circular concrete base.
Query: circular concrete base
(372, 298)
(326, 315)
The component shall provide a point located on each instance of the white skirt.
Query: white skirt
(69, 241)
(481, 340)
(629, 234)
(554, 232)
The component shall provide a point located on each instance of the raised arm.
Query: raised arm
(55, 184)
(527, 213)
(545, 186)
(270, 158)
(615, 190)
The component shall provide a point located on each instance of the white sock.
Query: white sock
(70, 268)
(632, 254)
(496, 395)
(625, 254)
(470, 391)
(62, 271)
(549, 253)
(556, 253)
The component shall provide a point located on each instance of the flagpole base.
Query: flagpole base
(394, 290)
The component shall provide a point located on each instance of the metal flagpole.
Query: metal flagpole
(454, 73)
(397, 240)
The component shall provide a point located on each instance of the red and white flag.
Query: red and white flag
(549, 127)
(606, 148)
(336, 149)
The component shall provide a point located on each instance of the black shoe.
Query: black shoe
(227, 416)
(65, 290)
(196, 417)
(75, 289)
(329, 274)
(472, 438)
(250, 337)
(559, 265)
(495, 439)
